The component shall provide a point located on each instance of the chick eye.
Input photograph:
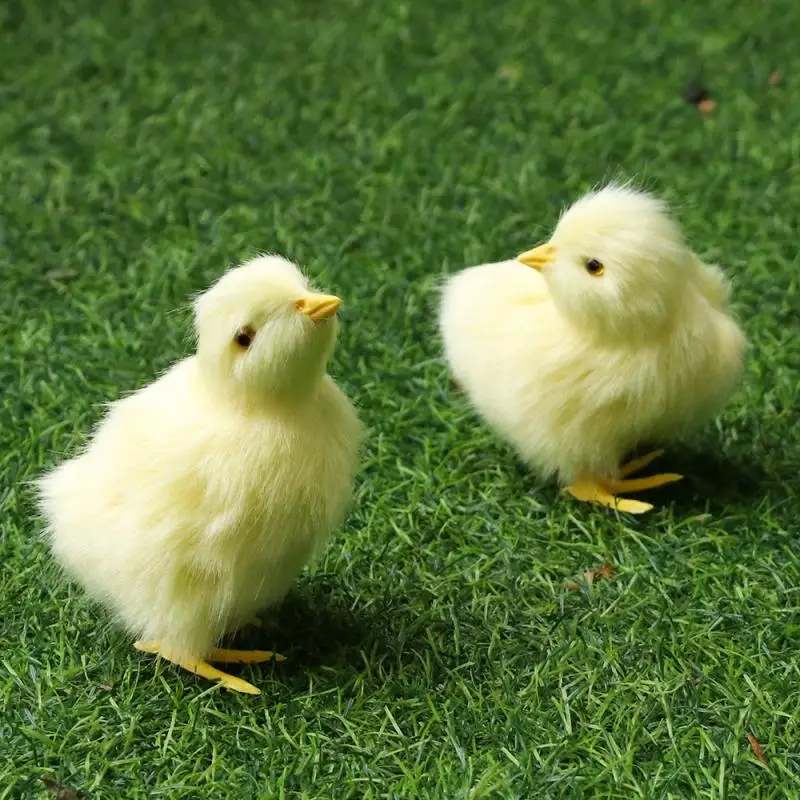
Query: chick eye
(244, 337)
(594, 267)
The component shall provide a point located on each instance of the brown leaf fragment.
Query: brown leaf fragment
(106, 687)
(57, 790)
(606, 571)
(774, 79)
(592, 575)
(756, 745)
(707, 106)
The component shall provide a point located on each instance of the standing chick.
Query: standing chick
(618, 335)
(201, 497)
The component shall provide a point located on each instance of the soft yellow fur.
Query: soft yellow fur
(575, 370)
(201, 496)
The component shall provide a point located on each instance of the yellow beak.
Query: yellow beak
(319, 306)
(539, 257)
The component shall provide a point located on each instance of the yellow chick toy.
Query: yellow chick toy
(618, 335)
(201, 497)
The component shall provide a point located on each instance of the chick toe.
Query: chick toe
(636, 464)
(594, 492)
(629, 506)
(224, 656)
(640, 484)
(235, 684)
(205, 670)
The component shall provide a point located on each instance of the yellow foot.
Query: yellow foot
(202, 668)
(605, 492)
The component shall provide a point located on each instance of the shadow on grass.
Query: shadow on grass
(711, 482)
(716, 483)
(314, 628)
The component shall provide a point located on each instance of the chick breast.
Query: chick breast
(186, 516)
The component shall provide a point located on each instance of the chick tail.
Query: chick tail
(716, 288)
(202, 668)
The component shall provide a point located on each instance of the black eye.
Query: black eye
(594, 267)
(244, 336)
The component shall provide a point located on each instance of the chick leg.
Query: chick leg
(200, 667)
(604, 492)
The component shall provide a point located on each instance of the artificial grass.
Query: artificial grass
(435, 651)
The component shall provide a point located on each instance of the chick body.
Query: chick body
(574, 396)
(198, 501)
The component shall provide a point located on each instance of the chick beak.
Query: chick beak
(539, 257)
(319, 306)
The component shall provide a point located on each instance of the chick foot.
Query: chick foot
(202, 668)
(605, 492)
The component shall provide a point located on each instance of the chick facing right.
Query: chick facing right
(201, 496)
(618, 335)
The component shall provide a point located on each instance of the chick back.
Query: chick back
(569, 405)
(185, 516)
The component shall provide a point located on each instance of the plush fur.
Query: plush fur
(576, 369)
(201, 497)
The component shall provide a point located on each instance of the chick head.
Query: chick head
(616, 263)
(262, 331)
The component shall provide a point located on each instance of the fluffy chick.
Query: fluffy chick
(201, 497)
(618, 335)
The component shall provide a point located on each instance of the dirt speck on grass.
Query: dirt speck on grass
(757, 750)
(591, 575)
(57, 790)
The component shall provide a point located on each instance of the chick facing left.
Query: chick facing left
(201, 497)
(612, 334)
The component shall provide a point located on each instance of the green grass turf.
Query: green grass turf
(434, 651)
